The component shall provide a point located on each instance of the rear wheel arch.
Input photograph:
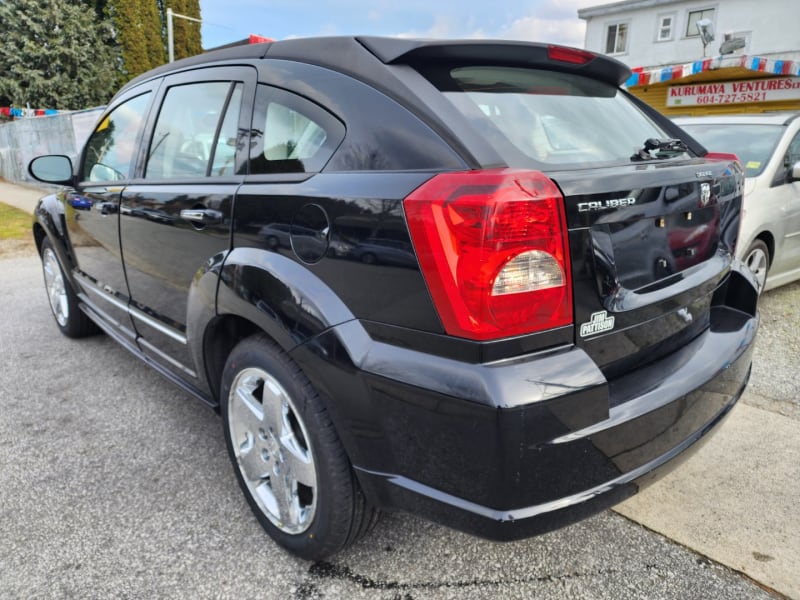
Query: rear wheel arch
(222, 335)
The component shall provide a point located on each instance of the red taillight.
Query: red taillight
(575, 56)
(493, 250)
(723, 156)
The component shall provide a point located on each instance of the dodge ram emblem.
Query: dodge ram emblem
(705, 194)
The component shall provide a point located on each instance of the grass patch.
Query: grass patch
(15, 224)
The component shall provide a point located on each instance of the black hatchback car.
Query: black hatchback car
(476, 281)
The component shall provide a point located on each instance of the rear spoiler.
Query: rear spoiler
(497, 52)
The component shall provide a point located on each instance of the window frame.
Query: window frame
(701, 11)
(247, 75)
(229, 95)
(133, 94)
(617, 24)
(660, 27)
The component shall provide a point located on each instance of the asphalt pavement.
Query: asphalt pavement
(115, 483)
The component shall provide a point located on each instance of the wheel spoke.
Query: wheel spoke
(274, 406)
(248, 412)
(284, 496)
(297, 462)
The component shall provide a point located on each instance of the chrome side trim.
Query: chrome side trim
(136, 314)
(143, 342)
(157, 325)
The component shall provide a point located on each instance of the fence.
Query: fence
(24, 139)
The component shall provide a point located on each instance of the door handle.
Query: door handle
(203, 216)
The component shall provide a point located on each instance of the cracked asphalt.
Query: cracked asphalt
(114, 483)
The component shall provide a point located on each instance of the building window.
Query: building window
(665, 23)
(617, 38)
(694, 17)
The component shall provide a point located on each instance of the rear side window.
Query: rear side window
(111, 149)
(291, 134)
(556, 119)
(195, 134)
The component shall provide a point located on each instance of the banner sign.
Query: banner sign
(734, 92)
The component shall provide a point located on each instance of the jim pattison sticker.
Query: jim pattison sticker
(599, 323)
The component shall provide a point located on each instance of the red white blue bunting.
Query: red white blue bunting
(642, 76)
(13, 112)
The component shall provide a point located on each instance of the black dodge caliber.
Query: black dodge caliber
(477, 281)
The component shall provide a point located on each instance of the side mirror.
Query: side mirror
(53, 168)
(794, 174)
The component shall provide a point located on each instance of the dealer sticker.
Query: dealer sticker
(599, 323)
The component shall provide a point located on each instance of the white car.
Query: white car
(769, 147)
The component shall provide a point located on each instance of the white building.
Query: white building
(749, 50)
(663, 32)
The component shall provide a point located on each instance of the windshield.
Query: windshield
(752, 143)
(557, 119)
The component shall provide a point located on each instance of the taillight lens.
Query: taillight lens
(575, 56)
(493, 250)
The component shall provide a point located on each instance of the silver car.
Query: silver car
(769, 148)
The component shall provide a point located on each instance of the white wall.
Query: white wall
(768, 25)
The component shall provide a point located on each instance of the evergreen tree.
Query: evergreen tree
(186, 34)
(138, 33)
(141, 32)
(54, 54)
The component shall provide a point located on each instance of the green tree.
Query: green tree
(54, 54)
(141, 32)
(138, 30)
(186, 34)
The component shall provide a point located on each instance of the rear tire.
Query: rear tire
(71, 320)
(286, 454)
(757, 259)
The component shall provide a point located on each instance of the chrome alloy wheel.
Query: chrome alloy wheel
(758, 264)
(272, 450)
(54, 284)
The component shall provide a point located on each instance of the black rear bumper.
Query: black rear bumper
(531, 444)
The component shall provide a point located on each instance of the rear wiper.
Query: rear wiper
(666, 148)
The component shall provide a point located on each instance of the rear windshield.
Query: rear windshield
(752, 143)
(560, 120)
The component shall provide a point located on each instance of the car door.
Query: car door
(92, 210)
(787, 259)
(176, 216)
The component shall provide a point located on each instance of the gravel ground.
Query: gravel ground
(113, 483)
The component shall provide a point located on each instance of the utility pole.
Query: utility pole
(170, 38)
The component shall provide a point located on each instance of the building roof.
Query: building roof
(623, 6)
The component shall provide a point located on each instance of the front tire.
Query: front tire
(286, 454)
(71, 320)
(757, 260)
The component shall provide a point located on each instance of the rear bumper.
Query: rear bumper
(530, 445)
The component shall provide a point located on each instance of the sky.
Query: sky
(551, 21)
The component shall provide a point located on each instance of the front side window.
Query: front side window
(617, 38)
(694, 17)
(665, 28)
(111, 149)
(191, 138)
(291, 134)
(553, 118)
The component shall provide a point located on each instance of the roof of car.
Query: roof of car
(352, 54)
(776, 118)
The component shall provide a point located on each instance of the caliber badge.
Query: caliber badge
(599, 323)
